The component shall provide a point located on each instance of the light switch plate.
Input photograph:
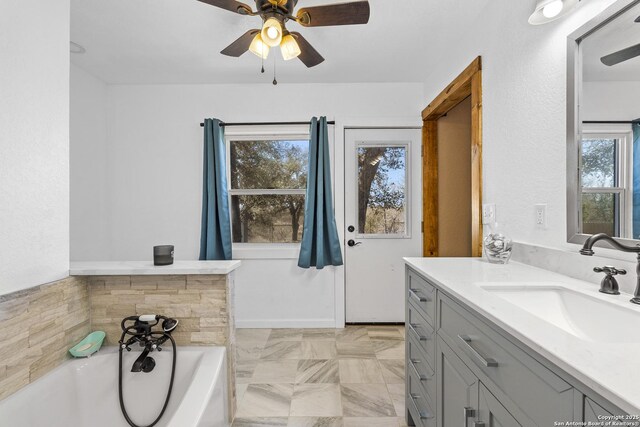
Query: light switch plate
(541, 215)
(488, 213)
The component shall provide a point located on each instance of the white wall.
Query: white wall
(34, 143)
(154, 173)
(88, 150)
(524, 108)
(610, 101)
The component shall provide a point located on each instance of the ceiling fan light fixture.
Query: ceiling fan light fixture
(289, 48)
(550, 10)
(258, 47)
(272, 32)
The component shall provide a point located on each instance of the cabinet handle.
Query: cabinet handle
(488, 362)
(424, 415)
(412, 328)
(414, 294)
(420, 377)
(468, 413)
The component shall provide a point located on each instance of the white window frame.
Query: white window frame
(407, 186)
(263, 133)
(624, 135)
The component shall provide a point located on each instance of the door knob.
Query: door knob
(353, 243)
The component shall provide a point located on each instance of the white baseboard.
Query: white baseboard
(285, 323)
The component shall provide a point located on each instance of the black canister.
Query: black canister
(163, 255)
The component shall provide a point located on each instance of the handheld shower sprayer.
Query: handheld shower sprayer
(140, 330)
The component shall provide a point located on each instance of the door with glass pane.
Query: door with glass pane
(383, 197)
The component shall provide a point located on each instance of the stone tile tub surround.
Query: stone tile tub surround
(37, 327)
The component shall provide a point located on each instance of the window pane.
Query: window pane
(381, 190)
(599, 163)
(269, 164)
(267, 219)
(599, 213)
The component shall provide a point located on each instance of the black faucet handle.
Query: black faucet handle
(610, 270)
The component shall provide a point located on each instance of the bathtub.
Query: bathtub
(84, 392)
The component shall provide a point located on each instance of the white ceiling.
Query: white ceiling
(178, 41)
(619, 34)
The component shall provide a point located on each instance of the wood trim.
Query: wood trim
(458, 90)
(476, 164)
(467, 84)
(430, 187)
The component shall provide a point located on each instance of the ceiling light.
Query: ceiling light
(272, 32)
(76, 48)
(289, 47)
(550, 10)
(259, 48)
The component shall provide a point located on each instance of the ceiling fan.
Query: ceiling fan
(276, 13)
(622, 55)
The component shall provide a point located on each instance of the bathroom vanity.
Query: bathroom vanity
(514, 345)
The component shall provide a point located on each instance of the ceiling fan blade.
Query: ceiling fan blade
(335, 14)
(231, 5)
(241, 45)
(637, 19)
(621, 55)
(309, 56)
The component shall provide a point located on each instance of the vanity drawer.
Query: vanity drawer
(419, 404)
(541, 394)
(417, 365)
(422, 333)
(423, 295)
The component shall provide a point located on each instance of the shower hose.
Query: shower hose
(173, 371)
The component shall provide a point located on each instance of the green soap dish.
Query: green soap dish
(89, 345)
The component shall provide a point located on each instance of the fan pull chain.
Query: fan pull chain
(275, 81)
(262, 60)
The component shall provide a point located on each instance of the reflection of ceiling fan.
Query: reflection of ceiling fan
(622, 55)
(275, 13)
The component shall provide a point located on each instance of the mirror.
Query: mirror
(603, 157)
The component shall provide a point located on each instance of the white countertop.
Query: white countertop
(146, 268)
(610, 369)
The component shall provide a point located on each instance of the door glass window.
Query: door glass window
(382, 190)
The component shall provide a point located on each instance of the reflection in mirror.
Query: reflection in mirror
(608, 137)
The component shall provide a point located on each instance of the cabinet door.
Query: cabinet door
(457, 386)
(592, 410)
(491, 413)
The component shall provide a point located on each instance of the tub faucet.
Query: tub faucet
(587, 250)
(142, 333)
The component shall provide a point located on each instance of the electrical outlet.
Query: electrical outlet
(488, 213)
(541, 215)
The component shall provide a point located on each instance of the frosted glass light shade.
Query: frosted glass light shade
(272, 32)
(289, 47)
(259, 48)
(550, 10)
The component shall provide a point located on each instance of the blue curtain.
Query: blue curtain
(320, 244)
(636, 180)
(215, 233)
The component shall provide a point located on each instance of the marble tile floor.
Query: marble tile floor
(352, 377)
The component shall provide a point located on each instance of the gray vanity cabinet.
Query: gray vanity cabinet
(491, 413)
(457, 389)
(484, 377)
(592, 410)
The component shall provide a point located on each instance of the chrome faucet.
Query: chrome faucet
(588, 251)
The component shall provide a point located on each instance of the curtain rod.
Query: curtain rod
(266, 123)
(610, 122)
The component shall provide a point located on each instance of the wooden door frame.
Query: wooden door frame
(467, 84)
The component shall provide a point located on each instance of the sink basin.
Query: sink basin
(584, 316)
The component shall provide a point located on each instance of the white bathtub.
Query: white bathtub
(84, 392)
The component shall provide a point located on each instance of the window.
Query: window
(382, 190)
(605, 182)
(267, 180)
